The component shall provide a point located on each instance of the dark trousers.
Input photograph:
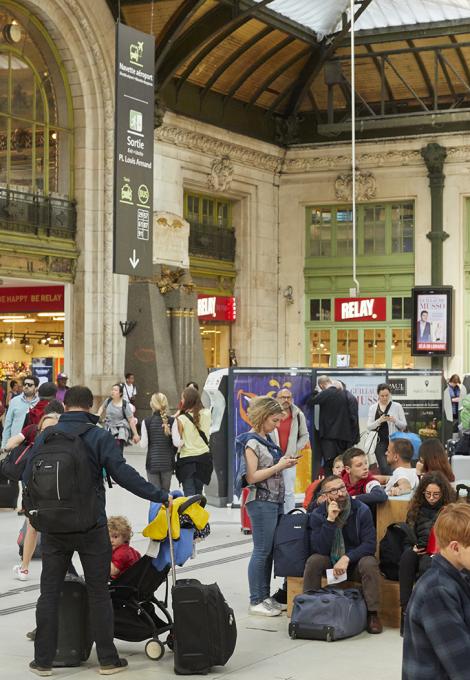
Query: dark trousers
(94, 549)
(411, 567)
(366, 571)
(380, 451)
(192, 486)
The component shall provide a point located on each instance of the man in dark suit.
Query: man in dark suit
(335, 420)
(424, 327)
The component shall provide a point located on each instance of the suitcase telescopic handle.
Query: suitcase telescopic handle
(172, 550)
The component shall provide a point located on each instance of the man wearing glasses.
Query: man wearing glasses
(342, 537)
(291, 437)
(20, 407)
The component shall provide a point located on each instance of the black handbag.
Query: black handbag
(291, 548)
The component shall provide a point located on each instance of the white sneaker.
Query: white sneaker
(19, 573)
(275, 604)
(264, 608)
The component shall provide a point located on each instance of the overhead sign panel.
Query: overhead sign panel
(133, 152)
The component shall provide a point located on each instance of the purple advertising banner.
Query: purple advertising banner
(248, 384)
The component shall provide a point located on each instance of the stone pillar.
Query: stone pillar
(164, 349)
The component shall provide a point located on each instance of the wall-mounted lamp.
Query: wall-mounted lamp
(289, 295)
(127, 327)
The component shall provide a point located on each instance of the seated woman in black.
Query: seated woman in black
(432, 494)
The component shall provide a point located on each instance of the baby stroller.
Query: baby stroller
(137, 612)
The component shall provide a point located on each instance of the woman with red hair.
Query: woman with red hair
(433, 458)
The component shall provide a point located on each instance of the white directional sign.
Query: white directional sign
(133, 161)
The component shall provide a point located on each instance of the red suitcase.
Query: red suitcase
(244, 517)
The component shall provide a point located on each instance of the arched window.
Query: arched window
(36, 123)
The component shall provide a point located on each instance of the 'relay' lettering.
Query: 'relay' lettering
(358, 309)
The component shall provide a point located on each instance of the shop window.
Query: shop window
(401, 308)
(374, 348)
(382, 229)
(35, 122)
(320, 233)
(320, 310)
(344, 233)
(402, 227)
(211, 231)
(401, 348)
(374, 230)
(347, 348)
(320, 348)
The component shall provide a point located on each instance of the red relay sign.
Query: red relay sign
(32, 299)
(216, 308)
(361, 309)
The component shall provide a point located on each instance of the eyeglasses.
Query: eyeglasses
(433, 494)
(335, 492)
(28, 384)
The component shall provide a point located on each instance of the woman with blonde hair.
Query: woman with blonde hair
(155, 436)
(194, 466)
(264, 463)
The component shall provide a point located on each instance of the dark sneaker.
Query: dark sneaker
(281, 598)
(40, 670)
(112, 668)
(31, 635)
(374, 624)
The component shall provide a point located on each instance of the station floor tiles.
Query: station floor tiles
(264, 650)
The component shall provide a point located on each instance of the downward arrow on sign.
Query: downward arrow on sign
(134, 260)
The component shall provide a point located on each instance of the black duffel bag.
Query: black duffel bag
(291, 548)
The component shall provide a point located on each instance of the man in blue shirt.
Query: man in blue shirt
(19, 408)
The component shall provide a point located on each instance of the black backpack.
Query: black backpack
(60, 495)
(14, 463)
(391, 548)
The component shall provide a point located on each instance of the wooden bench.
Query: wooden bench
(394, 510)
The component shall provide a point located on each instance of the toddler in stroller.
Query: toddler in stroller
(138, 614)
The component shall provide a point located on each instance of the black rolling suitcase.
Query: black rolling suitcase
(8, 492)
(74, 642)
(204, 628)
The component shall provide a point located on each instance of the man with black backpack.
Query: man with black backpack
(65, 499)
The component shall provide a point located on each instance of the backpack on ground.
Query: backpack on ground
(60, 495)
(291, 545)
(392, 546)
(328, 614)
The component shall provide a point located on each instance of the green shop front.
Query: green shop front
(371, 329)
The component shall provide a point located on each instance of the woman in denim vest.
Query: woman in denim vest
(264, 465)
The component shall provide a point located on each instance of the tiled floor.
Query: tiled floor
(264, 650)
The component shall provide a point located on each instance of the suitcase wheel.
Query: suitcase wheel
(292, 633)
(170, 641)
(246, 532)
(154, 649)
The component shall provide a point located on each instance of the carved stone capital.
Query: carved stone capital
(366, 186)
(221, 174)
(434, 156)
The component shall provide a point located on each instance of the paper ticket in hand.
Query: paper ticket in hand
(332, 579)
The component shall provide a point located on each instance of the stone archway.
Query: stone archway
(83, 33)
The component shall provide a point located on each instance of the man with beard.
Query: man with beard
(342, 536)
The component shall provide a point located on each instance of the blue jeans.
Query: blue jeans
(263, 516)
